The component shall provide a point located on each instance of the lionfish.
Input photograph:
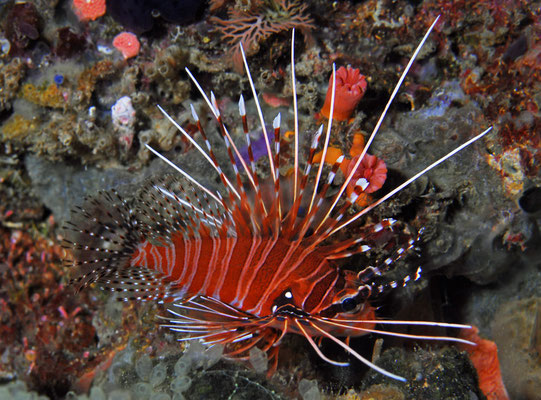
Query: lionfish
(248, 266)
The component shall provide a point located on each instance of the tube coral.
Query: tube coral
(350, 88)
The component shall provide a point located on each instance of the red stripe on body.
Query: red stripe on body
(251, 270)
(238, 267)
(219, 277)
(320, 290)
(247, 273)
(214, 263)
(199, 265)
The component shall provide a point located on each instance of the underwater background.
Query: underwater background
(79, 85)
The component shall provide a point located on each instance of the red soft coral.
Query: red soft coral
(372, 169)
(350, 88)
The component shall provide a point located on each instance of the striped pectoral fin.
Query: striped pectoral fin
(169, 205)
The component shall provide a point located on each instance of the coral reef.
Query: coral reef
(196, 373)
(44, 329)
(432, 374)
(44, 96)
(18, 127)
(69, 43)
(86, 83)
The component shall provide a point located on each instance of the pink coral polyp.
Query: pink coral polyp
(350, 88)
(127, 43)
(372, 169)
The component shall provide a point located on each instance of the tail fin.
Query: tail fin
(100, 238)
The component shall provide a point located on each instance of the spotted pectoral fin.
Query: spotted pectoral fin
(100, 238)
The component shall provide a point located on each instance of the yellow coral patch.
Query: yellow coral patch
(49, 96)
(18, 127)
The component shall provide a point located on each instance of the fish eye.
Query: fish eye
(348, 304)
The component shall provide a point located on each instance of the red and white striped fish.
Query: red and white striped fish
(250, 263)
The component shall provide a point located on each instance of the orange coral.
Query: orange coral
(330, 157)
(357, 145)
(89, 10)
(350, 88)
(127, 43)
(484, 357)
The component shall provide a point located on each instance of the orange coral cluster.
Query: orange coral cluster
(127, 43)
